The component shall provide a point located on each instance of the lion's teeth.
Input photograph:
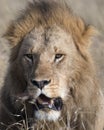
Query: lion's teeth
(50, 106)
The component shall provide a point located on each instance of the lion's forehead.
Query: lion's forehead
(47, 37)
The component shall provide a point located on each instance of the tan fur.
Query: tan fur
(45, 29)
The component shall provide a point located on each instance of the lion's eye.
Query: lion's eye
(58, 57)
(28, 57)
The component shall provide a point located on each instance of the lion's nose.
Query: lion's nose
(40, 84)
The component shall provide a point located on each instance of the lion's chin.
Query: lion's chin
(51, 115)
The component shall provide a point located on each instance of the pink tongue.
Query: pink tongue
(44, 100)
(52, 103)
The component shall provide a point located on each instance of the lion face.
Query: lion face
(47, 56)
(51, 78)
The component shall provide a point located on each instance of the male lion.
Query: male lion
(51, 83)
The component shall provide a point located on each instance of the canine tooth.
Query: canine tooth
(50, 105)
(31, 102)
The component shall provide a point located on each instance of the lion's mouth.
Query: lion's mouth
(46, 102)
(42, 102)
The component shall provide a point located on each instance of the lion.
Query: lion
(51, 82)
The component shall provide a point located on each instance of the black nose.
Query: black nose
(40, 84)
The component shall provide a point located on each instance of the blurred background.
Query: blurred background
(92, 11)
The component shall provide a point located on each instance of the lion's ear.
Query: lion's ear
(83, 36)
(11, 35)
(87, 32)
(18, 29)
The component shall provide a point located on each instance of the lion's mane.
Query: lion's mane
(86, 112)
